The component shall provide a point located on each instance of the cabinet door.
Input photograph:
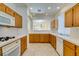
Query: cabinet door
(53, 24)
(34, 38)
(2, 7)
(31, 38)
(9, 11)
(0, 51)
(70, 45)
(23, 44)
(18, 21)
(68, 51)
(77, 50)
(69, 18)
(76, 15)
(50, 38)
(53, 41)
(44, 38)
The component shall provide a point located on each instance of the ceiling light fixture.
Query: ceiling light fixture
(49, 7)
(31, 8)
(58, 7)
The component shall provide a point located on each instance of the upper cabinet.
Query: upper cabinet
(54, 24)
(69, 18)
(9, 11)
(72, 16)
(76, 15)
(18, 21)
(2, 7)
(10, 16)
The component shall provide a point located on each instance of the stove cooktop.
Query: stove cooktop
(2, 39)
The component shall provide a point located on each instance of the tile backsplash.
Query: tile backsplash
(74, 32)
(7, 31)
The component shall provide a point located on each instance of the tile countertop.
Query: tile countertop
(73, 40)
(11, 40)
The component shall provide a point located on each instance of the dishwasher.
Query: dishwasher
(59, 46)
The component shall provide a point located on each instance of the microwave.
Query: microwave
(6, 19)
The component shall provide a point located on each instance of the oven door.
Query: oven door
(13, 52)
(12, 49)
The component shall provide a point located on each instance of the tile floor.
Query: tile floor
(40, 49)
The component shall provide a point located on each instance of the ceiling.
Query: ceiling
(44, 10)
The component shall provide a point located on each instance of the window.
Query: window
(41, 25)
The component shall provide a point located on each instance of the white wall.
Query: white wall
(5, 31)
(61, 25)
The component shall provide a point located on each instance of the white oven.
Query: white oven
(12, 49)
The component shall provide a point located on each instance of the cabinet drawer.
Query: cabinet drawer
(70, 45)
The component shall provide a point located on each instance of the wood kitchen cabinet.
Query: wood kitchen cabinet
(69, 18)
(18, 21)
(39, 38)
(6, 9)
(34, 38)
(54, 24)
(52, 40)
(2, 7)
(77, 50)
(44, 38)
(0, 51)
(76, 15)
(9, 11)
(23, 44)
(72, 17)
(69, 49)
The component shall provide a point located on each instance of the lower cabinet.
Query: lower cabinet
(69, 49)
(34, 38)
(44, 38)
(52, 41)
(0, 51)
(23, 44)
(77, 50)
(39, 38)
